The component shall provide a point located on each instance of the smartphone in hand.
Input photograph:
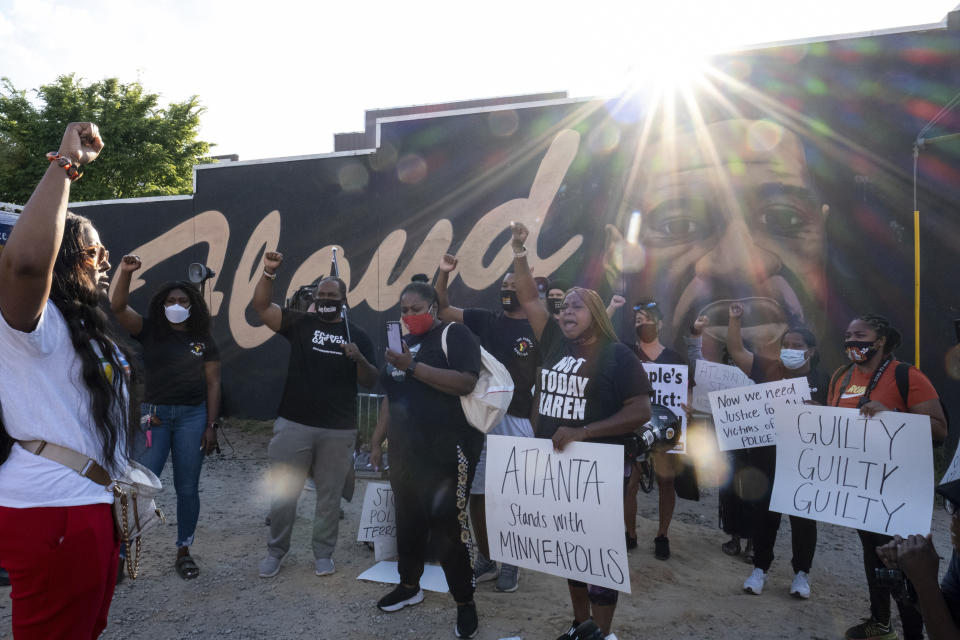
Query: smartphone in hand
(393, 336)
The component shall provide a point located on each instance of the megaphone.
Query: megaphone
(198, 273)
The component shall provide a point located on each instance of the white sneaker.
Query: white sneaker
(611, 637)
(801, 585)
(754, 584)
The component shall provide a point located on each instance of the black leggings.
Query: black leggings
(430, 495)
(766, 523)
(910, 617)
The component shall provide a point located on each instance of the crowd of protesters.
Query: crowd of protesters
(69, 387)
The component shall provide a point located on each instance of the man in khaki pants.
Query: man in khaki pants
(316, 425)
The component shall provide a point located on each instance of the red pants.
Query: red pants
(63, 567)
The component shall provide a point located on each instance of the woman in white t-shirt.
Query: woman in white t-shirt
(63, 381)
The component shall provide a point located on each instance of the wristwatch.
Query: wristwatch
(409, 370)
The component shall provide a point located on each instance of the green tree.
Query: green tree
(150, 150)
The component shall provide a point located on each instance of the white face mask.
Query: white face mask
(793, 358)
(177, 314)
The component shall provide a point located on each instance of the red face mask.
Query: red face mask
(419, 323)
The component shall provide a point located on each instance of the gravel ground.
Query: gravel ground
(695, 594)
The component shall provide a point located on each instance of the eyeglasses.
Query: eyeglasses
(97, 254)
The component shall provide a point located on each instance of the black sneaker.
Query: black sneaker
(871, 629)
(467, 623)
(631, 541)
(569, 633)
(400, 597)
(661, 547)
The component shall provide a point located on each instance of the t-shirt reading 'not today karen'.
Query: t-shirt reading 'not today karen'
(580, 384)
(321, 386)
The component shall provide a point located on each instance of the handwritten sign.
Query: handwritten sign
(558, 513)
(378, 519)
(743, 417)
(713, 376)
(669, 382)
(952, 473)
(837, 466)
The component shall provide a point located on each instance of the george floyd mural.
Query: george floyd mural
(782, 177)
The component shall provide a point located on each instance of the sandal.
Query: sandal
(186, 567)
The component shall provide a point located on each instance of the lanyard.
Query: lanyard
(874, 379)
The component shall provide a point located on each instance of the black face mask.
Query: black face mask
(647, 332)
(553, 305)
(860, 351)
(329, 310)
(508, 299)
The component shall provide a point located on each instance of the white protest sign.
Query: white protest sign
(837, 466)
(378, 519)
(669, 382)
(558, 513)
(743, 417)
(713, 376)
(953, 471)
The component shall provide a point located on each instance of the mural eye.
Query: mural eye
(783, 219)
(677, 221)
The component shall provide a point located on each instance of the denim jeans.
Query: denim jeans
(179, 432)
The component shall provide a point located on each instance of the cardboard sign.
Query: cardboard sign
(713, 376)
(669, 382)
(557, 512)
(743, 417)
(378, 519)
(837, 466)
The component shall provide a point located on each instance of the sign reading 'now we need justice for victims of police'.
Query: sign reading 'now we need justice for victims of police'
(743, 417)
(557, 512)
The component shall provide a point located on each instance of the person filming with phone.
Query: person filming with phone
(316, 426)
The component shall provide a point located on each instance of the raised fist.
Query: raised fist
(736, 310)
(698, 325)
(520, 233)
(130, 263)
(272, 260)
(81, 142)
(448, 263)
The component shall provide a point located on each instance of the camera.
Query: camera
(661, 432)
(302, 298)
(900, 588)
(587, 631)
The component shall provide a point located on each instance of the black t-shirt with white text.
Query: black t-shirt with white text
(426, 422)
(321, 386)
(174, 364)
(580, 384)
(511, 342)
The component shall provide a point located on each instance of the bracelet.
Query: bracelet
(63, 161)
(520, 254)
(213, 425)
(269, 276)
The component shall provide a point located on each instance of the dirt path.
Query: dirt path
(695, 594)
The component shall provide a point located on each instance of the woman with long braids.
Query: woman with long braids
(65, 387)
(182, 397)
(616, 395)
(875, 381)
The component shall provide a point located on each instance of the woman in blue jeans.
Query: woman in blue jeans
(182, 396)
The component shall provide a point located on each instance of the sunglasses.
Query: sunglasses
(97, 254)
(643, 306)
